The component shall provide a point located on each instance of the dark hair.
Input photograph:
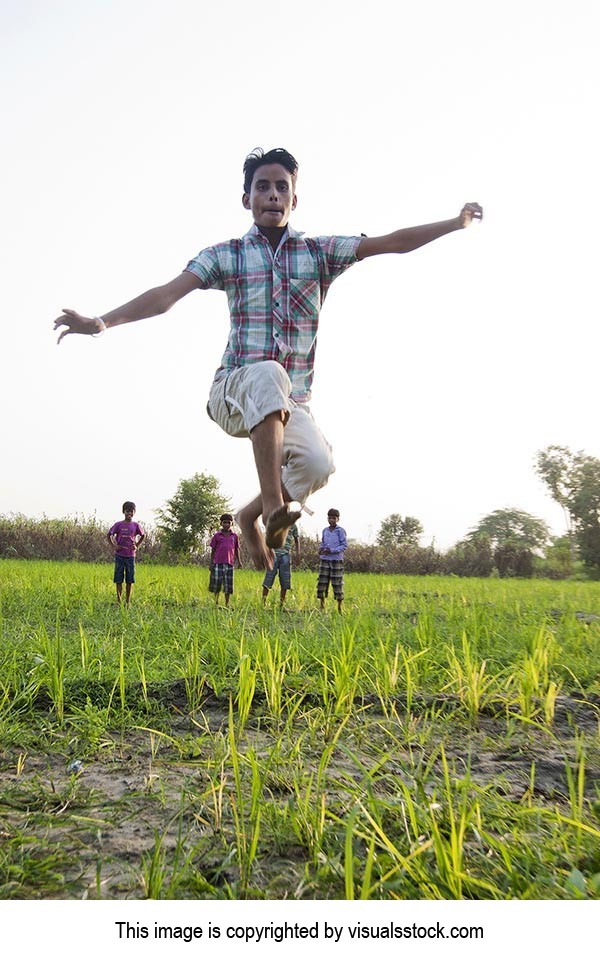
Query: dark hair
(333, 512)
(127, 506)
(226, 516)
(257, 157)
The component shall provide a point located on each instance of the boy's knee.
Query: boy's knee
(307, 472)
(272, 373)
(319, 467)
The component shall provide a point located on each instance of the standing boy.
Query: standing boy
(275, 281)
(225, 551)
(334, 542)
(125, 537)
(283, 565)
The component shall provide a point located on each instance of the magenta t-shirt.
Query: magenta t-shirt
(126, 534)
(224, 545)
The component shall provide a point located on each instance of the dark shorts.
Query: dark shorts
(124, 567)
(283, 566)
(221, 578)
(331, 571)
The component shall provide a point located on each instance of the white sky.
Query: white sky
(439, 373)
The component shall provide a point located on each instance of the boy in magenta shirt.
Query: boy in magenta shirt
(125, 536)
(225, 551)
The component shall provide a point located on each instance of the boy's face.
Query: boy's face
(271, 196)
(225, 525)
(333, 521)
(129, 514)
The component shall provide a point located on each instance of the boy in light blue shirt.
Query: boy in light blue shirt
(334, 543)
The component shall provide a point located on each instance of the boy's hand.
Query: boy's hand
(470, 212)
(76, 324)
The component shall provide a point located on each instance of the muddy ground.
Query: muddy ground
(95, 819)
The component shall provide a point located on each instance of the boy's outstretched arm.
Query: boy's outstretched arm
(156, 301)
(407, 239)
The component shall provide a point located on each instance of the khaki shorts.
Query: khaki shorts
(246, 396)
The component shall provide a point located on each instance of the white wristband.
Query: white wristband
(102, 328)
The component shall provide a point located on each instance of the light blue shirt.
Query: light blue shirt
(335, 541)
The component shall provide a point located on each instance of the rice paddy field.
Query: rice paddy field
(438, 740)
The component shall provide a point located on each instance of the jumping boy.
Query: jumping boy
(334, 543)
(125, 537)
(283, 566)
(225, 552)
(275, 281)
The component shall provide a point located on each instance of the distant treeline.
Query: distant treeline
(85, 540)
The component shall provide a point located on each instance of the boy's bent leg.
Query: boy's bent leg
(307, 457)
(267, 443)
(254, 400)
(247, 520)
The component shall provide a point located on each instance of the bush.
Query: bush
(62, 539)
(469, 558)
(364, 558)
(85, 540)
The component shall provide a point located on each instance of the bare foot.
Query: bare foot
(279, 523)
(262, 557)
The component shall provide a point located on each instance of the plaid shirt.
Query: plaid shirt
(274, 297)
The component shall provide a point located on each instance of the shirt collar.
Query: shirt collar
(288, 233)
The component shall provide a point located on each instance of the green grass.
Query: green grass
(437, 740)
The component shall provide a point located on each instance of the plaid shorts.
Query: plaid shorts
(331, 571)
(221, 578)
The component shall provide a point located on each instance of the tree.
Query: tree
(192, 513)
(585, 508)
(557, 467)
(470, 558)
(396, 530)
(514, 526)
(573, 480)
(513, 535)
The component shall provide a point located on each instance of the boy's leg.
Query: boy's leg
(267, 444)
(119, 576)
(247, 519)
(228, 583)
(285, 576)
(323, 581)
(129, 577)
(216, 581)
(255, 400)
(268, 580)
(337, 581)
